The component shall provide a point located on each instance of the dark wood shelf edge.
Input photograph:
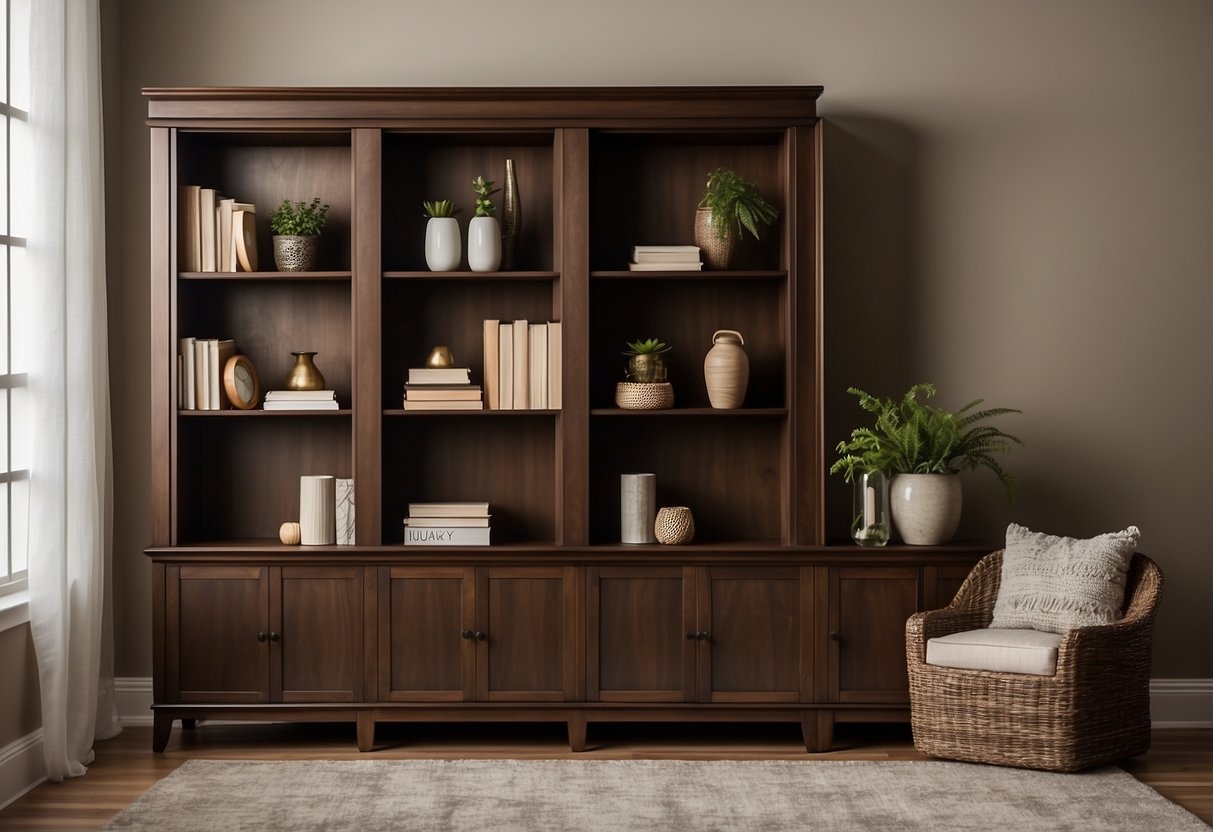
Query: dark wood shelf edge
(692, 411)
(625, 274)
(412, 414)
(271, 276)
(470, 275)
(259, 412)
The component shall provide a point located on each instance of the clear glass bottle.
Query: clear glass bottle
(870, 515)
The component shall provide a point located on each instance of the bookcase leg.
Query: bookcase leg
(366, 731)
(818, 730)
(162, 727)
(189, 724)
(577, 728)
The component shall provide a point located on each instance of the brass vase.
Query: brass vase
(511, 216)
(646, 368)
(304, 375)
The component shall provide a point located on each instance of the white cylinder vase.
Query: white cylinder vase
(925, 507)
(637, 508)
(317, 510)
(443, 244)
(484, 244)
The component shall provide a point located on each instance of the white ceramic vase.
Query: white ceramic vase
(484, 244)
(443, 245)
(317, 510)
(925, 507)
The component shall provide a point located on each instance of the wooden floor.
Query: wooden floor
(1180, 765)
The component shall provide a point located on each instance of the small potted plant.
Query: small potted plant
(730, 205)
(297, 227)
(484, 234)
(924, 447)
(647, 386)
(443, 247)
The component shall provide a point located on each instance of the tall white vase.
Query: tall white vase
(925, 507)
(484, 244)
(317, 510)
(443, 246)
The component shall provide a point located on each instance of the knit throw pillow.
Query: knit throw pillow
(1055, 584)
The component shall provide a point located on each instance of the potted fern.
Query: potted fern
(924, 447)
(443, 247)
(297, 227)
(730, 206)
(484, 234)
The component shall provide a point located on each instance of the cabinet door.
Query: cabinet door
(426, 625)
(217, 646)
(868, 608)
(641, 623)
(940, 584)
(317, 651)
(532, 650)
(753, 635)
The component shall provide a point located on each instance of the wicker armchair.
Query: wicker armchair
(1095, 709)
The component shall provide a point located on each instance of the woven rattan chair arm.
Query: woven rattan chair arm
(923, 626)
(980, 588)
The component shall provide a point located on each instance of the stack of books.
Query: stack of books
(447, 524)
(300, 400)
(200, 363)
(443, 388)
(665, 259)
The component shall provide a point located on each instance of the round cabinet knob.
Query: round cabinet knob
(466, 634)
(834, 636)
(480, 636)
(275, 637)
(705, 636)
(692, 636)
(261, 637)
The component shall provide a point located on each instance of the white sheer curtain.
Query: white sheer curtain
(70, 479)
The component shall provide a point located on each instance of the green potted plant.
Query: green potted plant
(484, 234)
(443, 247)
(730, 206)
(923, 448)
(297, 227)
(647, 386)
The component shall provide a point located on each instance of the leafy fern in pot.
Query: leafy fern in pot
(736, 202)
(912, 437)
(299, 219)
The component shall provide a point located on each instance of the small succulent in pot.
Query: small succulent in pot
(645, 362)
(297, 227)
(483, 188)
(484, 234)
(440, 209)
(443, 245)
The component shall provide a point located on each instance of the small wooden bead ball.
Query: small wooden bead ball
(674, 525)
(288, 533)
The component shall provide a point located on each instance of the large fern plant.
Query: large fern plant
(913, 437)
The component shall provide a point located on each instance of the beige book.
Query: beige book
(539, 366)
(522, 366)
(206, 214)
(505, 365)
(189, 240)
(555, 364)
(492, 370)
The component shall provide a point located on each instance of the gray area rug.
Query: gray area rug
(666, 795)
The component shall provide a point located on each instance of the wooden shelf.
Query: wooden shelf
(474, 413)
(712, 412)
(627, 274)
(469, 275)
(345, 411)
(341, 275)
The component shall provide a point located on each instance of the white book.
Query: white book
(289, 405)
(445, 536)
(187, 373)
(224, 225)
(665, 254)
(539, 366)
(444, 375)
(522, 366)
(206, 214)
(457, 509)
(220, 351)
(412, 404)
(345, 511)
(666, 267)
(694, 250)
(555, 365)
(449, 522)
(300, 395)
(492, 364)
(202, 387)
(505, 366)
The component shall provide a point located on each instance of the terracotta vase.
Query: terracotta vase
(718, 252)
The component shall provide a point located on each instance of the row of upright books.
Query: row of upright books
(523, 363)
(447, 524)
(200, 364)
(216, 233)
(665, 259)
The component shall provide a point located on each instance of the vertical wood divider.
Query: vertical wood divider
(367, 187)
(571, 186)
(163, 370)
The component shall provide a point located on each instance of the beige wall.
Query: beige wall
(22, 712)
(1017, 207)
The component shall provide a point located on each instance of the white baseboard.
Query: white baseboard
(22, 767)
(1174, 703)
(133, 696)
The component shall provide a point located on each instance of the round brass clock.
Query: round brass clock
(240, 382)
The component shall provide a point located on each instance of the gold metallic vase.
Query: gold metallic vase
(304, 375)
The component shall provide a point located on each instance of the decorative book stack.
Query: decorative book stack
(442, 388)
(216, 233)
(665, 259)
(523, 365)
(200, 364)
(447, 524)
(300, 400)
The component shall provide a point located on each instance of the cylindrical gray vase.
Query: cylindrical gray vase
(637, 507)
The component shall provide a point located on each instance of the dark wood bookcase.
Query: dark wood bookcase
(758, 619)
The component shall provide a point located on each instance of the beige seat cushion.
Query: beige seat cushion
(1005, 651)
